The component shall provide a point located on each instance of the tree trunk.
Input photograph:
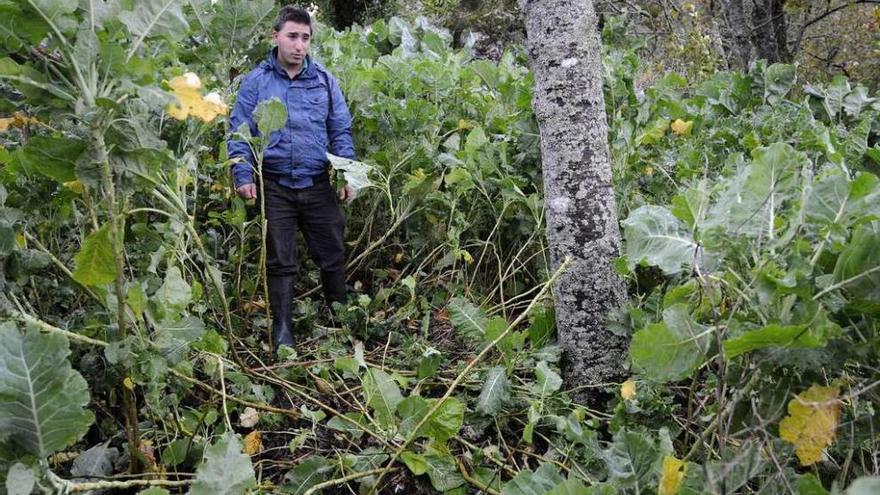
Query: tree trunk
(564, 52)
(769, 34)
(740, 53)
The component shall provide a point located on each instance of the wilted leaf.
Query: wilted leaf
(682, 128)
(20, 480)
(97, 461)
(225, 470)
(42, 400)
(253, 443)
(496, 390)
(673, 475)
(95, 262)
(811, 424)
(628, 390)
(356, 173)
(191, 103)
(249, 418)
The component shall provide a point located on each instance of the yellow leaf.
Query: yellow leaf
(253, 443)
(682, 128)
(673, 475)
(75, 186)
(628, 389)
(18, 120)
(465, 256)
(811, 423)
(128, 383)
(191, 103)
(464, 124)
(20, 240)
(649, 171)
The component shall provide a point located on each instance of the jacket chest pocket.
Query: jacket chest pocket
(316, 103)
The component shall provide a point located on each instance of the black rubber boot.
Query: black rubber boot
(280, 302)
(334, 286)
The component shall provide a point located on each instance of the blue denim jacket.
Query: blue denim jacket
(318, 121)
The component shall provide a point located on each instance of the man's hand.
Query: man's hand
(347, 194)
(247, 191)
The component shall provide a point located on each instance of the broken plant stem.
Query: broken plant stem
(461, 376)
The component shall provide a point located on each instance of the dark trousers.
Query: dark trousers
(315, 211)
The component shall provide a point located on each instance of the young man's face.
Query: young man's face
(293, 43)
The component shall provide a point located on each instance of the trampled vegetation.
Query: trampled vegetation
(134, 330)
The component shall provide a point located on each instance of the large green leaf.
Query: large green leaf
(754, 198)
(548, 381)
(857, 101)
(788, 336)
(837, 201)
(655, 236)
(495, 392)
(96, 12)
(778, 81)
(95, 262)
(672, 349)
(42, 400)
(175, 292)
(467, 319)
(539, 482)
(442, 470)
(306, 474)
(442, 425)
(570, 487)
(382, 394)
(632, 460)
(271, 115)
(54, 157)
(858, 267)
(225, 470)
(155, 19)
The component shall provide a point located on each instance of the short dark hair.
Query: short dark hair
(289, 13)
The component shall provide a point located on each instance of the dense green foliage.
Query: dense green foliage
(749, 213)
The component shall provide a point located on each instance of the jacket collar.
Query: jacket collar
(272, 64)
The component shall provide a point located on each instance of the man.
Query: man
(297, 188)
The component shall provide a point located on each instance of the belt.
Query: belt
(323, 176)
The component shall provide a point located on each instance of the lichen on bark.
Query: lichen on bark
(564, 51)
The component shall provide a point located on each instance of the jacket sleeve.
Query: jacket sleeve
(339, 123)
(243, 113)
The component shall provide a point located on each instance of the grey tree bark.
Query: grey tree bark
(564, 52)
(740, 53)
